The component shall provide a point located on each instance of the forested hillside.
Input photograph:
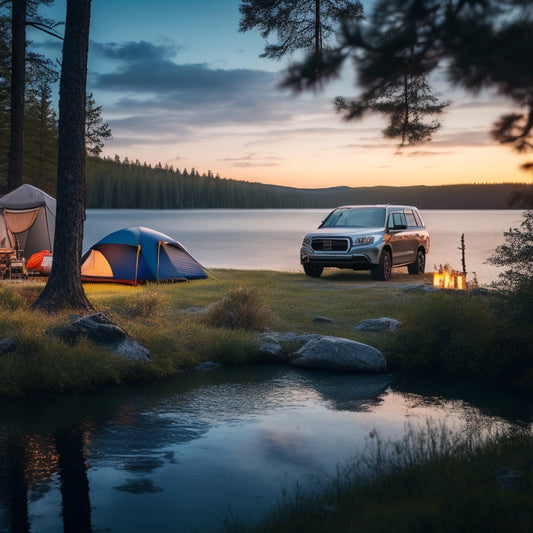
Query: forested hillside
(126, 185)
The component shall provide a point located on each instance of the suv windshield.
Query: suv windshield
(360, 217)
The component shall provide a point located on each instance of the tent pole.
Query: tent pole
(137, 263)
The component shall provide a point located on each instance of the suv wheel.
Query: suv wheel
(382, 271)
(313, 270)
(419, 265)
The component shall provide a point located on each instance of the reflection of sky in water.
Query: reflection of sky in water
(240, 445)
(177, 455)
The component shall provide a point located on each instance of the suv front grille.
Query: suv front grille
(330, 245)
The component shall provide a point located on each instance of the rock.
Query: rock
(207, 366)
(132, 350)
(323, 320)
(421, 288)
(336, 353)
(8, 345)
(378, 324)
(98, 327)
(277, 347)
(102, 330)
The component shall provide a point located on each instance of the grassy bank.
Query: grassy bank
(432, 480)
(449, 333)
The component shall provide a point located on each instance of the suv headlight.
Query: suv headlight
(358, 241)
(306, 241)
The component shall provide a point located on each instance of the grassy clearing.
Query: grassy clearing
(185, 324)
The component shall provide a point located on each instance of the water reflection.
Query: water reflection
(173, 456)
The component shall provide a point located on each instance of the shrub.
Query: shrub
(456, 334)
(241, 308)
(516, 253)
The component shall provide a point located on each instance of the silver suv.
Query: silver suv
(368, 237)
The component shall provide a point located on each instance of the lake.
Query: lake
(270, 239)
(176, 456)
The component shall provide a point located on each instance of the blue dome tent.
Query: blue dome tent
(137, 255)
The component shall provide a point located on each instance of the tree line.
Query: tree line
(115, 184)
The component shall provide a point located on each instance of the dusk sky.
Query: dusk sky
(181, 86)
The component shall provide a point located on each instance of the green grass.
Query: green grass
(451, 333)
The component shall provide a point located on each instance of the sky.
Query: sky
(180, 85)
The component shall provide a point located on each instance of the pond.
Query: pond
(176, 456)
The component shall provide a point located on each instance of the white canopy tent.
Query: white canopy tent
(27, 220)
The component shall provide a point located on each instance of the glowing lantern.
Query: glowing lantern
(447, 278)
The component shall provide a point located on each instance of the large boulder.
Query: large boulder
(337, 353)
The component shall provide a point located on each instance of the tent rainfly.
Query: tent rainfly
(136, 255)
(27, 220)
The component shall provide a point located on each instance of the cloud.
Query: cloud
(144, 88)
(148, 70)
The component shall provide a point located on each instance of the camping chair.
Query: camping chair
(5, 261)
(17, 267)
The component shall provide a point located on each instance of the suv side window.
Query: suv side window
(411, 220)
(397, 219)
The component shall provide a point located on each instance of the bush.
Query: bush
(459, 334)
(241, 308)
(516, 253)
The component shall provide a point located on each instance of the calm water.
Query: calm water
(270, 239)
(173, 457)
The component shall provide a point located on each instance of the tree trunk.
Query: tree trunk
(18, 79)
(64, 289)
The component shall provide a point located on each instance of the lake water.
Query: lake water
(270, 238)
(175, 456)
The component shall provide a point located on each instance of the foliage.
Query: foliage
(96, 130)
(516, 255)
(306, 24)
(479, 45)
(241, 308)
(40, 138)
(115, 184)
(461, 334)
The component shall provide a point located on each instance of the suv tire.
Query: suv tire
(315, 271)
(382, 271)
(419, 265)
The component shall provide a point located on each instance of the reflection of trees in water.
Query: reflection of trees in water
(463, 395)
(29, 462)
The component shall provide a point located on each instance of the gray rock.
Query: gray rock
(378, 324)
(132, 350)
(207, 366)
(277, 347)
(322, 320)
(102, 330)
(336, 353)
(98, 328)
(8, 345)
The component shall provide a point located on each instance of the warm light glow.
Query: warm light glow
(447, 278)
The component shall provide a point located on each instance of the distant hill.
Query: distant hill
(114, 184)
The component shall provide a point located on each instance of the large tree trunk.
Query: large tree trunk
(64, 289)
(18, 78)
